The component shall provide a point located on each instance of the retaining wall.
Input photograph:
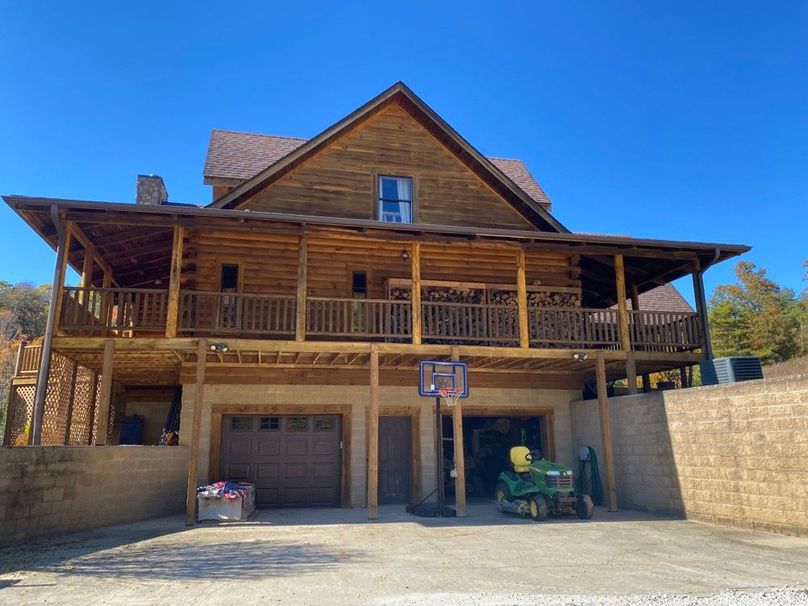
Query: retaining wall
(53, 490)
(733, 454)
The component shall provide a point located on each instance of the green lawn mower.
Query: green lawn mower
(539, 488)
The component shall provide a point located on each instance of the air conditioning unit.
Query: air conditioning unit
(730, 370)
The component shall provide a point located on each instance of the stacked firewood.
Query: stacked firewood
(441, 295)
(501, 326)
(536, 299)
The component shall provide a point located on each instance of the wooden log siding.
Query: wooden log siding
(665, 331)
(103, 311)
(265, 315)
(372, 318)
(339, 180)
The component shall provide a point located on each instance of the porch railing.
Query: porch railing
(371, 318)
(237, 313)
(470, 322)
(664, 331)
(573, 327)
(101, 311)
(30, 357)
(128, 311)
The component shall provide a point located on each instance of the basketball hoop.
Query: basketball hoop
(450, 396)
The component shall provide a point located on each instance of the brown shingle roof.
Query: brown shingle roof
(517, 172)
(238, 155)
(235, 155)
(663, 298)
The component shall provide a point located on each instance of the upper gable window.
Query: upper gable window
(395, 199)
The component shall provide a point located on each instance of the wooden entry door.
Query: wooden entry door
(395, 459)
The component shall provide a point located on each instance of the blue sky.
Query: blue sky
(685, 120)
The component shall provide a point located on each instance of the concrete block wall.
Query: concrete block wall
(358, 396)
(733, 455)
(54, 490)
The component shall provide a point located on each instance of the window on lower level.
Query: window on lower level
(395, 199)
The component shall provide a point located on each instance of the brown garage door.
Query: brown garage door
(294, 460)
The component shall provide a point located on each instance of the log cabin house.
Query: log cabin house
(294, 309)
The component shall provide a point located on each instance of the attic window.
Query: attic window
(395, 199)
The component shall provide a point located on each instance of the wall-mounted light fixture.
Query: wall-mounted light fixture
(580, 356)
(405, 255)
(219, 348)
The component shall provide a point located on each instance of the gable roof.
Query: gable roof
(663, 298)
(234, 155)
(421, 112)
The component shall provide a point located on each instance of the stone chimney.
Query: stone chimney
(151, 190)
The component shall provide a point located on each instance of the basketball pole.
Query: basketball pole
(439, 454)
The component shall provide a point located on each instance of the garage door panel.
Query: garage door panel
(269, 447)
(267, 471)
(294, 460)
(267, 496)
(322, 470)
(240, 447)
(295, 471)
(323, 447)
(237, 472)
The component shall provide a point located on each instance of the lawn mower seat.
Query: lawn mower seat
(520, 459)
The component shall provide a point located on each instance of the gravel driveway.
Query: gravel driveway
(338, 557)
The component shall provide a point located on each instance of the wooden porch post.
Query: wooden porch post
(415, 260)
(373, 435)
(635, 298)
(605, 427)
(623, 325)
(51, 327)
(106, 307)
(521, 286)
(196, 423)
(302, 277)
(87, 271)
(459, 449)
(174, 281)
(701, 308)
(60, 291)
(106, 393)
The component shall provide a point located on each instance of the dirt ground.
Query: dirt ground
(338, 557)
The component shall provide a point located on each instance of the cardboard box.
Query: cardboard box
(219, 508)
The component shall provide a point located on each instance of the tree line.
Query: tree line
(23, 315)
(757, 317)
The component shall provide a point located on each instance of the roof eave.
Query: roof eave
(18, 202)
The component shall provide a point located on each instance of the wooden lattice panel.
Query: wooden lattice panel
(20, 409)
(84, 402)
(72, 397)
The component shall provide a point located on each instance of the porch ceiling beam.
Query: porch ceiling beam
(87, 244)
(293, 347)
